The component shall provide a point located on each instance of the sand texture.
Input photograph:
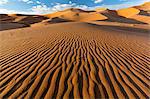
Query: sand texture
(55, 56)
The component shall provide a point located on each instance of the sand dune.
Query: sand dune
(128, 12)
(14, 21)
(75, 54)
(100, 9)
(113, 16)
(145, 6)
(106, 23)
(51, 21)
(139, 13)
(5, 17)
(10, 25)
(78, 60)
(77, 15)
(142, 18)
(132, 15)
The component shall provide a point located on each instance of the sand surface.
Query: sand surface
(57, 58)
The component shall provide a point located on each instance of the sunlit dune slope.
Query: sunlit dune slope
(77, 15)
(100, 9)
(128, 12)
(140, 13)
(142, 18)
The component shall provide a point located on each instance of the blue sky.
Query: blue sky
(49, 6)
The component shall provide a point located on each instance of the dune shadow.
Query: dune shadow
(145, 13)
(114, 17)
(5, 17)
(58, 20)
(32, 19)
(11, 25)
(7, 22)
(128, 30)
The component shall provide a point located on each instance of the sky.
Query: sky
(50, 6)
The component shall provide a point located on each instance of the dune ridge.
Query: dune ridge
(77, 15)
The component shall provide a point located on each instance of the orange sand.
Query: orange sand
(53, 56)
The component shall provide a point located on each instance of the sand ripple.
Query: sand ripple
(92, 62)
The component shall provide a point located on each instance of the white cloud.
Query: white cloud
(38, 2)
(6, 11)
(3, 2)
(3, 11)
(44, 9)
(98, 1)
(122, 5)
(60, 6)
(41, 9)
(70, 2)
(84, 7)
(27, 1)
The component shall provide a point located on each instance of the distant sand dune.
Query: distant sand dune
(77, 15)
(128, 12)
(142, 18)
(145, 6)
(113, 16)
(5, 17)
(11, 25)
(132, 15)
(14, 21)
(74, 60)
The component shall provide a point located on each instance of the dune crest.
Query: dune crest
(100, 9)
(77, 15)
(145, 6)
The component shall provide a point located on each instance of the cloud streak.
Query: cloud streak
(98, 1)
(3, 2)
(27, 1)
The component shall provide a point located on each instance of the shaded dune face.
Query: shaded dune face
(32, 19)
(6, 18)
(145, 13)
(14, 21)
(74, 60)
(8, 25)
(113, 16)
(58, 20)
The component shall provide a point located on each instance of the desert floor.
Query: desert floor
(75, 60)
